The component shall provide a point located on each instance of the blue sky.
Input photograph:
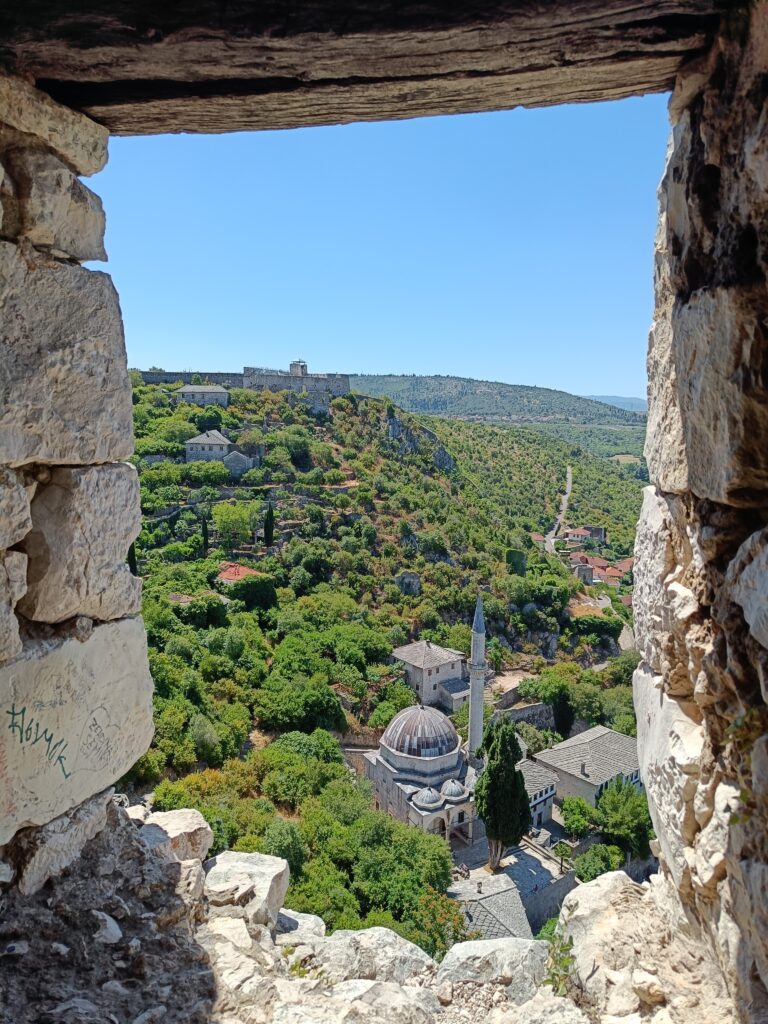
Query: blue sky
(513, 246)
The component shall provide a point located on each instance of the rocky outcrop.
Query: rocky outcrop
(255, 882)
(182, 834)
(637, 956)
(702, 546)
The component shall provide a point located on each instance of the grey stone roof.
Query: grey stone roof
(425, 654)
(197, 388)
(209, 437)
(597, 755)
(537, 776)
(455, 686)
(421, 732)
(498, 916)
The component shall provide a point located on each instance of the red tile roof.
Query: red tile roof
(626, 599)
(616, 573)
(538, 536)
(579, 532)
(231, 572)
(625, 564)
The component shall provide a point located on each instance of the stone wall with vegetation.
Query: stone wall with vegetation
(702, 545)
(75, 689)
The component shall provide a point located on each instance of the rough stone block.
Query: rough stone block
(670, 739)
(374, 953)
(747, 584)
(55, 210)
(654, 560)
(13, 583)
(65, 395)
(79, 141)
(519, 964)
(74, 717)
(253, 880)
(83, 522)
(181, 835)
(46, 851)
(15, 515)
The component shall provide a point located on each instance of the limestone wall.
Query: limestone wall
(75, 689)
(701, 593)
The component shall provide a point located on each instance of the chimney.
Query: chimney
(584, 768)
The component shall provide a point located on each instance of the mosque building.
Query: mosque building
(422, 773)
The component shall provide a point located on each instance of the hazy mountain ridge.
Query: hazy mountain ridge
(465, 398)
(621, 402)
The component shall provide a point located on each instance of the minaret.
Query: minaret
(476, 679)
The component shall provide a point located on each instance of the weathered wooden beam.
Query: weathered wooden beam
(202, 66)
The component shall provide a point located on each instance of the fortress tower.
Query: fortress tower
(477, 667)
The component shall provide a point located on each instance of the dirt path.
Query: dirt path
(550, 538)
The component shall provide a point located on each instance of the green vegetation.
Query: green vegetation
(500, 797)
(253, 670)
(597, 860)
(463, 397)
(621, 815)
(599, 698)
(352, 865)
(602, 440)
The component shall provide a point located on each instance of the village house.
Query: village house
(539, 540)
(596, 533)
(438, 675)
(203, 394)
(233, 572)
(541, 787)
(585, 764)
(211, 446)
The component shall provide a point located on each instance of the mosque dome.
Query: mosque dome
(421, 732)
(452, 789)
(427, 797)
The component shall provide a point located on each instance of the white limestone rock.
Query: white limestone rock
(746, 583)
(654, 560)
(409, 1005)
(57, 212)
(83, 522)
(376, 954)
(79, 141)
(251, 880)
(712, 842)
(181, 835)
(295, 929)
(670, 739)
(65, 395)
(46, 851)
(592, 916)
(76, 717)
(15, 515)
(544, 1008)
(517, 963)
(13, 584)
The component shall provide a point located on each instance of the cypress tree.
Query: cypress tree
(500, 796)
(269, 526)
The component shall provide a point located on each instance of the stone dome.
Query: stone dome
(421, 732)
(427, 797)
(452, 789)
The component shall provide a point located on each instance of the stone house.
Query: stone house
(429, 667)
(203, 394)
(211, 446)
(541, 786)
(237, 463)
(587, 763)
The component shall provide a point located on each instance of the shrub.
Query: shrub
(597, 860)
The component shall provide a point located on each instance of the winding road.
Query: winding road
(549, 541)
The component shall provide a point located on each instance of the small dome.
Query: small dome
(421, 732)
(452, 789)
(427, 797)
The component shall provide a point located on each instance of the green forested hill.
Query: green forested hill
(385, 525)
(469, 399)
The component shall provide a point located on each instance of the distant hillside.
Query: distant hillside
(488, 400)
(630, 404)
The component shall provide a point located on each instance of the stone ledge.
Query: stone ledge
(79, 141)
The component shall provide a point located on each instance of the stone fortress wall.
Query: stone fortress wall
(227, 380)
(75, 688)
(295, 380)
